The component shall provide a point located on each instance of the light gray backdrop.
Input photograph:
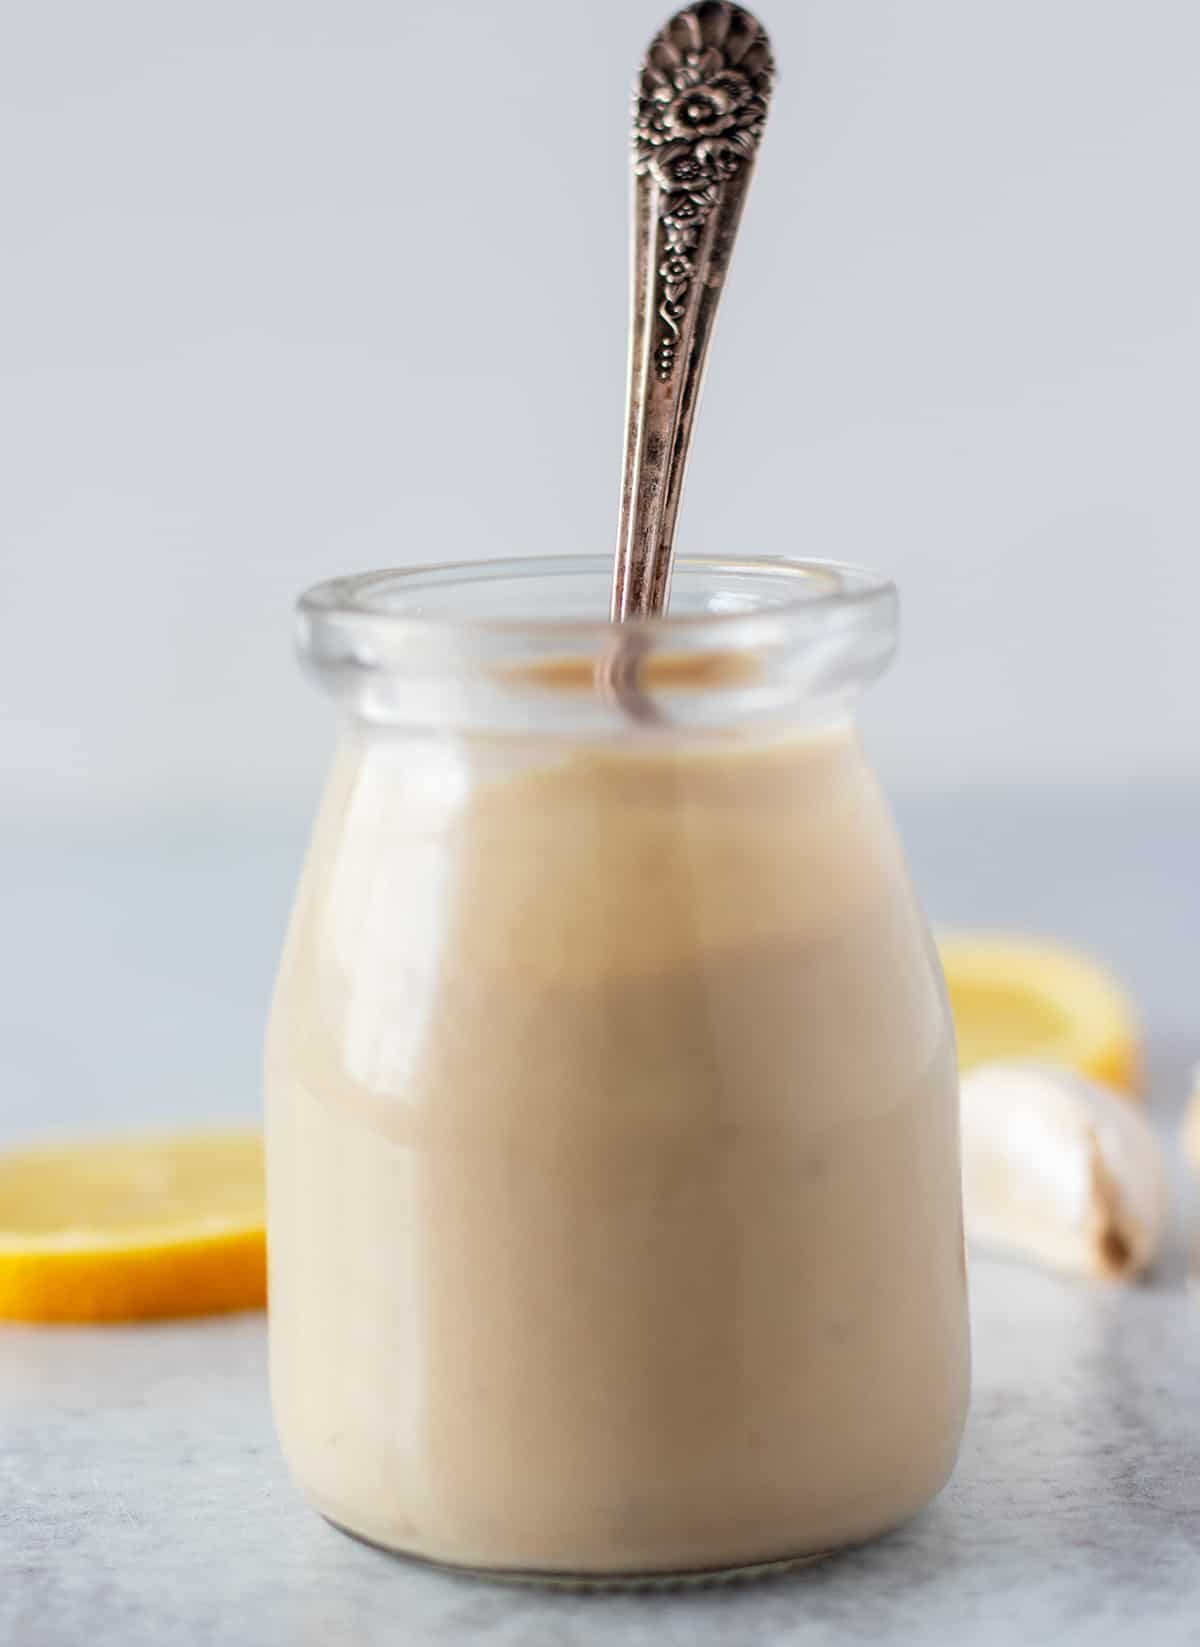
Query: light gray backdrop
(298, 288)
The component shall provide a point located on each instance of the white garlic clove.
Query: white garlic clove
(1061, 1170)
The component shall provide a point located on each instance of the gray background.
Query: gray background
(291, 289)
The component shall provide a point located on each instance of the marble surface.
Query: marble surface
(142, 1499)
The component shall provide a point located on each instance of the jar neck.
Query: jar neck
(453, 648)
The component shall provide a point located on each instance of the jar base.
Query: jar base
(693, 1578)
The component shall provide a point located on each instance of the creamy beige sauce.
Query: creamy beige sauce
(658, 671)
(613, 1160)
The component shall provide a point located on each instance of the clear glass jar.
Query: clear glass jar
(615, 1224)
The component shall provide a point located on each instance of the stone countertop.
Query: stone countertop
(143, 1502)
(145, 1505)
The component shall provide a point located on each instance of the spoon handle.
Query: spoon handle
(701, 102)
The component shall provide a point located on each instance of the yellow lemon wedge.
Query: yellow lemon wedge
(120, 1229)
(1028, 999)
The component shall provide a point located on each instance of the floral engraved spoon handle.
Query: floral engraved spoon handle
(700, 105)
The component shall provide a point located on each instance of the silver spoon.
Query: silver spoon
(699, 108)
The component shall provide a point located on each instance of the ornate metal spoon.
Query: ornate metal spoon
(700, 104)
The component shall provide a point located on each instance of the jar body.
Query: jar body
(614, 1197)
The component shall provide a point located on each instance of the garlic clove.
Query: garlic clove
(1061, 1170)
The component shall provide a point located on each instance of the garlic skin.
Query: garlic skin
(1061, 1170)
(1190, 1131)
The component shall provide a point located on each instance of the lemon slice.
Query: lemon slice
(115, 1229)
(1026, 999)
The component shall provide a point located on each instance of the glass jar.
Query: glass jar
(615, 1224)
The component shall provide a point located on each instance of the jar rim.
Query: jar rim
(821, 586)
(456, 643)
